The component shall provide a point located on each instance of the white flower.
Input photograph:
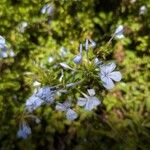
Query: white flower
(22, 26)
(11, 53)
(65, 107)
(132, 1)
(36, 84)
(89, 102)
(24, 130)
(33, 103)
(107, 75)
(63, 51)
(119, 32)
(143, 10)
(50, 59)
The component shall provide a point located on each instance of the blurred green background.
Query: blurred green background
(122, 122)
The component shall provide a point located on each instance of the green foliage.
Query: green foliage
(122, 121)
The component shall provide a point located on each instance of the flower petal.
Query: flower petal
(120, 36)
(108, 84)
(33, 103)
(95, 101)
(116, 75)
(119, 30)
(46, 93)
(67, 104)
(65, 66)
(71, 114)
(2, 40)
(81, 101)
(77, 59)
(91, 103)
(91, 92)
(110, 67)
(86, 44)
(105, 69)
(103, 78)
(60, 107)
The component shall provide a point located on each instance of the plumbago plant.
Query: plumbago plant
(75, 85)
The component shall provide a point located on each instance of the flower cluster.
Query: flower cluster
(46, 94)
(43, 95)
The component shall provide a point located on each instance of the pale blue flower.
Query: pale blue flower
(3, 48)
(86, 44)
(97, 62)
(71, 114)
(89, 101)
(3, 54)
(43, 95)
(46, 94)
(24, 130)
(65, 66)
(107, 75)
(89, 43)
(65, 107)
(33, 103)
(119, 32)
(92, 43)
(2, 40)
(77, 59)
(47, 9)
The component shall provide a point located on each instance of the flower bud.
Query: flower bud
(77, 59)
(119, 32)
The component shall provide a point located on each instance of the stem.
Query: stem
(108, 43)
